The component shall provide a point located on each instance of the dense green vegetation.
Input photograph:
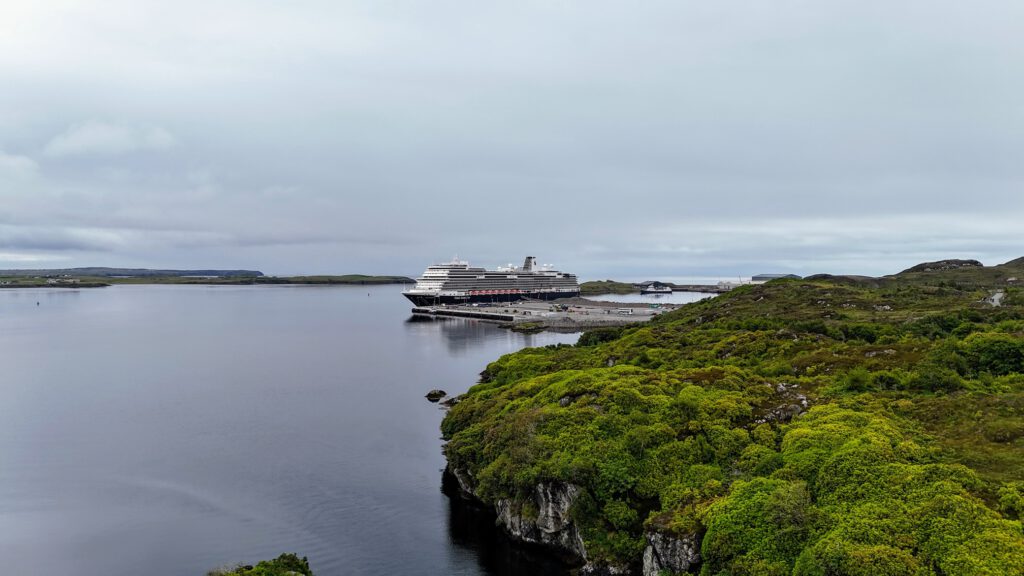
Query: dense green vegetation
(595, 287)
(826, 426)
(283, 565)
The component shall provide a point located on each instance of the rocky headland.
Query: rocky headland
(833, 425)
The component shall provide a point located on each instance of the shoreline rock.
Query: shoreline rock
(552, 526)
(670, 553)
(544, 520)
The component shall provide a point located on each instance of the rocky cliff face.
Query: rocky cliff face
(552, 526)
(545, 520)
(670, 553)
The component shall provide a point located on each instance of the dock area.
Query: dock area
(720, 288)
(461, 312)
(565, 315)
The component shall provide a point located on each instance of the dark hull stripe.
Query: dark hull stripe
(423, 300)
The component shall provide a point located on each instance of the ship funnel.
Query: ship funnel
(529, 264)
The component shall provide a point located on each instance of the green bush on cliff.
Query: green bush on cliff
(905, 456)
(283, 565)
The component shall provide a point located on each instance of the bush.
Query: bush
(838, 557)
(998, 354)
(1002, 430)
(599, 335)
(283, 565)
(1011, 500)
(762, 521)
(935, 379)
(887, 381)
(857, 380)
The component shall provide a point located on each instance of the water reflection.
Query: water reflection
(166, 430)
(463, 334)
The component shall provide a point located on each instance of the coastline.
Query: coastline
(12, 282)
(655, 449)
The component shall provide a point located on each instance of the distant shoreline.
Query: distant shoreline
(601, 287)
(70, 281)
(348, 279)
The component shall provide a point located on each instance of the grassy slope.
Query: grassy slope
(910, 459)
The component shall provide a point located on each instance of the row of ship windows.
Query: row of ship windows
(461, 277)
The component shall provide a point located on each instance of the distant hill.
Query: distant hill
(963, 273)
(93, 277)
(595, 287)
(130, 272)
(943, 265)
(345, 279)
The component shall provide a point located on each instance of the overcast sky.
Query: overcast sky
(613, 139)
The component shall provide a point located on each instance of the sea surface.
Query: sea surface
(168, 430)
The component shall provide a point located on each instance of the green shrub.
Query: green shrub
(283, 565)
(887, 380)
(935, 379)
(998, 354)
(598, 335)
(858, 380)
(1011, 500)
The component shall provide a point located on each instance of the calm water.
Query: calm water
(167, 430)
(673, 298)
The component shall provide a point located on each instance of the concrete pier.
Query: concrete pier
(706, 288)
(461, 312)
(570, 315)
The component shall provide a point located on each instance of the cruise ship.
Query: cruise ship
(456, 282)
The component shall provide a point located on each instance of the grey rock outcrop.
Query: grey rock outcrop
(787, 403)
(670, 553)
(465, 480)
(552, 526)
(604, 570)
(943, 265)
(547, 523)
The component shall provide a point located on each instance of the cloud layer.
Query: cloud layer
(15, 167)
(93, 138)
(611, 139)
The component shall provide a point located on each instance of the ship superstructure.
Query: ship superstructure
(456, 282)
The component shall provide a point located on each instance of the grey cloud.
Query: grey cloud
(14, 167)
(20, 238)
(722, 138)
(95, 138)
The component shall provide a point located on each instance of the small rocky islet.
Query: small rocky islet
(283, 565)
